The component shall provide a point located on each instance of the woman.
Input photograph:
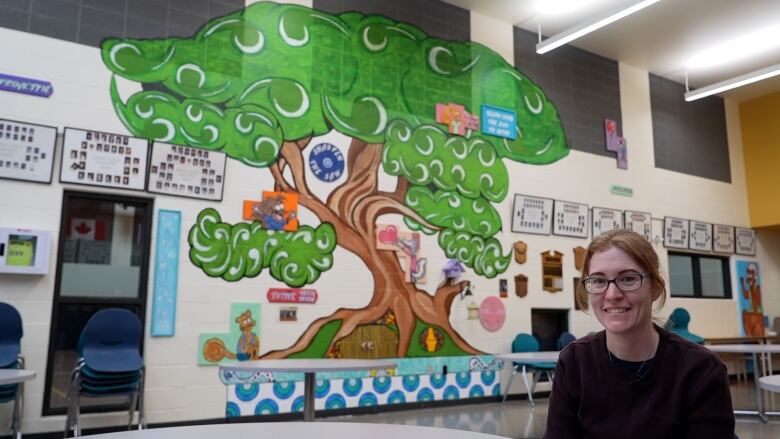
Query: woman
(634, 379)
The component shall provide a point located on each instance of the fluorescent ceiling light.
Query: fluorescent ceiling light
(589, 26)
(739, 81)
(742, 47)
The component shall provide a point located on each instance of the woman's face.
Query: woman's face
(621, 312)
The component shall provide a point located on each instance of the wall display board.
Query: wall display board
(700, 236)
(722, 238)
(676, 232)
(605, 220)
(570, 219)
(746, 241)
(186, 172)
(639, 222)
(104, 159)
(532, 215)
(26, 151)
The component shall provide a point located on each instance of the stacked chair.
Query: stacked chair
(109, 364)
(10, 358)
(678, 324)
(565, 339)
(528, 343)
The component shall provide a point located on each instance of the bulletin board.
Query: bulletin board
(639, 222)
(676, 232)
(187, 172)
(570, 219)
(532, 215)
(700, 236)
(26, 151)
(603, 220)
(722, 238)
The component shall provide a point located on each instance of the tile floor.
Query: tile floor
(516, 419)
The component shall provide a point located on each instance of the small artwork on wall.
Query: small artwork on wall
(520, 249)
(570, 219)
(521, 285)
(700, 236)
(746, 241)
(288, 314)
(492, 313)
(242, 343)
(552, 271)
(676, 232)
(277, 211)
(722, 238)
(503, 288)
(407, 247)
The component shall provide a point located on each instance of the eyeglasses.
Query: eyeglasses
(626, 282)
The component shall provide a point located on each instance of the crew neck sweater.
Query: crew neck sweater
(684, 394)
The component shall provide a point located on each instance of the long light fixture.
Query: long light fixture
(589, 26)
(728, 84)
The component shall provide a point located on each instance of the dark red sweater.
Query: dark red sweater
(684, 394)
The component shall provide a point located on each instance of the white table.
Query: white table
(770, 383)
(14, 376)
(523, 358)
(309, 367)
(753, 350)
(320, 430)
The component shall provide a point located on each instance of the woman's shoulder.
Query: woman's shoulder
(582, 346)
(686, 351)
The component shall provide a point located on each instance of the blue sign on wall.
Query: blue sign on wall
(166, 273)
(326, 162)
(25, 85)
(498, 122)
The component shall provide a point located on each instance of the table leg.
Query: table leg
(308, 396)
(759, 392)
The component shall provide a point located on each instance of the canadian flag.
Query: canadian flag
(82, 228)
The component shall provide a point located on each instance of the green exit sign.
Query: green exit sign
(621, 190)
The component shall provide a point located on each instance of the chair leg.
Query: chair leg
(131, 404)
(528, 387)
(141, 414)
(16, 422)
(509, 383)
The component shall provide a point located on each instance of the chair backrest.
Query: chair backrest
(777, 325)
(525, 343)
(111, 341)
(565, 339)
(10, 334)
(679, 318)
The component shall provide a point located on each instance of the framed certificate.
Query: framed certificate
(604, 220)
(26, 151)
(639, 222)
(676, 232)
(185, 171)
(532, 215)
(570, 219)
(700, 236)
(104, 159)
(722, 238)
(745, 241)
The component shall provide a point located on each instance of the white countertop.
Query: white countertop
(771, 383)
(744, 348)
(320, 430)
(309, 365)
(13, 376)
(530, 357)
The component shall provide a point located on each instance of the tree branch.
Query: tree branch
(366, 212)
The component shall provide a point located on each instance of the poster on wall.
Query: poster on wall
(166, 273)
(745, 241)
(639, 222)
(26, 151)
(605, 220)
(675, 232)
(723, 238)
(570, 219)
(186, 172)
(532, 215)
(104, 159)
(700, 236)
(751, 311)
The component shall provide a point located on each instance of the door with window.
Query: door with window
(102, 262)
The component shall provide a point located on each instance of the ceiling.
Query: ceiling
(660, 38)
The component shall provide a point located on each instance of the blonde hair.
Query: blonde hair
(638, 248)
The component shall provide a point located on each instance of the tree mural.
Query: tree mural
(260, 83)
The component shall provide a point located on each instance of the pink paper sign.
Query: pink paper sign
(492, 314)
(292, 295)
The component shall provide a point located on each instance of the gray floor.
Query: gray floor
(516, 419)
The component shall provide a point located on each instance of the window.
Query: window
(699, 276)
(102, 263)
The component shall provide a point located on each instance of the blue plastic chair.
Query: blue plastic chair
(564, 340)
(10, 358)
(678, 324)
(528, 343)
(109, 364)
